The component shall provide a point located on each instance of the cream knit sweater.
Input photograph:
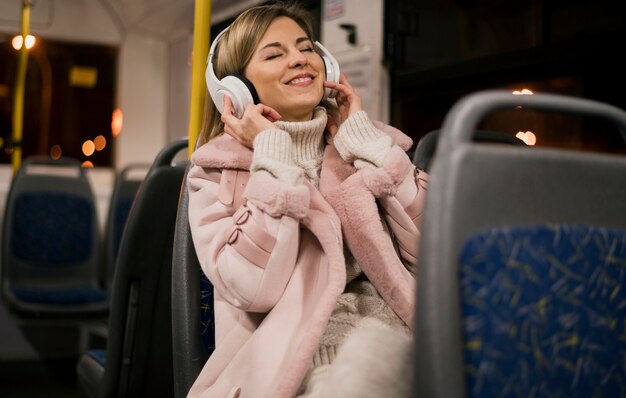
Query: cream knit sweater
(293, 151)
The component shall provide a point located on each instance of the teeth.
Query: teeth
(300, 80)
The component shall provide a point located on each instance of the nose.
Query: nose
(298, 59)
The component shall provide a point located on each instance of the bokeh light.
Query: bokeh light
(100, 142)
(523, 91)
(528, 137)
(19, 40)
(55, 152)
(117, 120)
(88, 148)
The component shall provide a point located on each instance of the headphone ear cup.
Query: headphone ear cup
(331, 66)
(249, 91)
(332, 75)
(240, 90)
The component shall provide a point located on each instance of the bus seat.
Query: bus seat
(125, 188)
(522, 289)
(51, 242)
(138, 356)
(426, 146)
(192, 306)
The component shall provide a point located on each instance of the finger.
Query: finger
(228, 118)
(267, 112)
(344, 80)
(329, 84)
(331, 125)
(228, 114)
(341, 88)
(270, 113)
(348, 85)
(228, 105)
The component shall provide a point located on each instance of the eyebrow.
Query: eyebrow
(278, 44)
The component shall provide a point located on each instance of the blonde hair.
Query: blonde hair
(241, 39)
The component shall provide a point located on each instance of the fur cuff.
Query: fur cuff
(384, 181)
(379, 182)
(276, 198)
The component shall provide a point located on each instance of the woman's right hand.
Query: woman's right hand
(255, 119)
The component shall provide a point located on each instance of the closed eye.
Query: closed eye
(272, 56)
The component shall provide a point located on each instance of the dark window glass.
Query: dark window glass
(69, 98)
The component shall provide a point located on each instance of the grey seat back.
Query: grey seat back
(427, 145)
(192, 305)
(125, 188)
(138, 358)
(50, 241)
(494, 192)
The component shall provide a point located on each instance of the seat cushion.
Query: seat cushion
(544, 310)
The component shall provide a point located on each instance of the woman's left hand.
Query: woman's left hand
(348, 101)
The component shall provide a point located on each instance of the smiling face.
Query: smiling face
(286, 71)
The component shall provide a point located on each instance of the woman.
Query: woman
(268, 202)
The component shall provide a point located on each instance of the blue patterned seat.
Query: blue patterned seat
(544, 310)
(522, 278)
(50, 244)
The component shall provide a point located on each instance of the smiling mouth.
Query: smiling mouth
(300, 80)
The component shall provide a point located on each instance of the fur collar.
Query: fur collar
(225, 152)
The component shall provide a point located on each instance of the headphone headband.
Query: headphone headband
(209, 60)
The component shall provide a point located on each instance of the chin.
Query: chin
(303, 103)
(312, 101)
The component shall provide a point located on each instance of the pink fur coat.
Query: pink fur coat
(274, 254)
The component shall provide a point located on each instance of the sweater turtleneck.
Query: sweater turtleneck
(293, 149)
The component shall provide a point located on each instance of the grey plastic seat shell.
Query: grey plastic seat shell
(474, 187)
(138, 353)
(125, 189)
(427, 145)
(190, 354)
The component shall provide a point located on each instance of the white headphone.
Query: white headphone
(241, 90)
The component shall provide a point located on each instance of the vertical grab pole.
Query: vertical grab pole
(18, 98)
(201, 33)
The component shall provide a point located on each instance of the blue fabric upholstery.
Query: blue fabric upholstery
(63, 236)
(207, 319)
(545, 311)
(99, 356)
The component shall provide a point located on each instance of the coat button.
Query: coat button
(241, 215)
(233, 235)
